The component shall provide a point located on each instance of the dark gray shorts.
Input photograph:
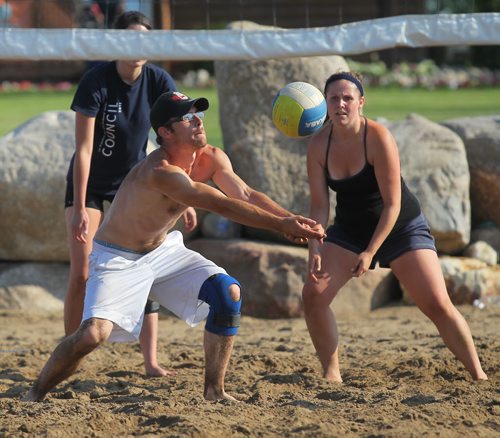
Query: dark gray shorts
(92, 200)
(414, 235)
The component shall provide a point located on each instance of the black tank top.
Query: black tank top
(360, 203)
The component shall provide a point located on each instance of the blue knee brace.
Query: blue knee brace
(224, 315)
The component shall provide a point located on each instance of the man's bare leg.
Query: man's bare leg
(149, 344)
(217, 354)
(67, 356)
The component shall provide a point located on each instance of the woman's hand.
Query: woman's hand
(190, 219)
(315, 266)
(315, 262)
(80, 225)
(363, 264)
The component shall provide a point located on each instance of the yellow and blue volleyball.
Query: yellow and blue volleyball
(299, 109)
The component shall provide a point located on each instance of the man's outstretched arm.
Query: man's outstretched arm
(178, 186)
(233, 186)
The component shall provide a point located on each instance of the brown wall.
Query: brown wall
(42, 14)
(294, 14)
(192, 14)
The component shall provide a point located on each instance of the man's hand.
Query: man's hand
(303, 240)
(298, 229)
(296, 240)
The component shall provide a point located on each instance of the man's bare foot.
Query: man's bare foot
(212, 395)
(158, 371)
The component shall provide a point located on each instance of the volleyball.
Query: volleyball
(299, 109)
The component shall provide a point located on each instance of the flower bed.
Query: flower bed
(425, 74)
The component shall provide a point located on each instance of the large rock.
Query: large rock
(361, 295)
(434, 165)
(482, 251)
(33, 287)
(489, 234)
(266, 159)
(272, 277)
(467, 280)
(481, 136)
(218, 227)
(470, 279)
(34, 160)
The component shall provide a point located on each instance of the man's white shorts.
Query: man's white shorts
(120, 282)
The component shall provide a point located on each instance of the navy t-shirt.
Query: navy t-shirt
(122, 124)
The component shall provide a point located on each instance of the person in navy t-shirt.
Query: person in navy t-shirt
(112, 105)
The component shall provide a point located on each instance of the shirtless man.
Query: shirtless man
(134, 254)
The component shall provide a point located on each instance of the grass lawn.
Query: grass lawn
(436, 105)
(16, 107)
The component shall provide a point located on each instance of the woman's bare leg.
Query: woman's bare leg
(321, 323)
(420, 273)
(149, 346)
(79, 270)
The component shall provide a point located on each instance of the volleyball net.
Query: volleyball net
(240, 44)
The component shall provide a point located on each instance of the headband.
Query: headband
(348, 77)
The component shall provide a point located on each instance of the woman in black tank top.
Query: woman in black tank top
(377, 220)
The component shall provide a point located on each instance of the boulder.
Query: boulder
(272, 277)
(33, 287)
(34, 160)
(481, 137)
(482, 251)
(361, 295)
(218, 227)
(488, 233)
(434, 165)
(266, 159)
(467, 280)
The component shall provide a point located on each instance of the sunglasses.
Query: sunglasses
(187, 117)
